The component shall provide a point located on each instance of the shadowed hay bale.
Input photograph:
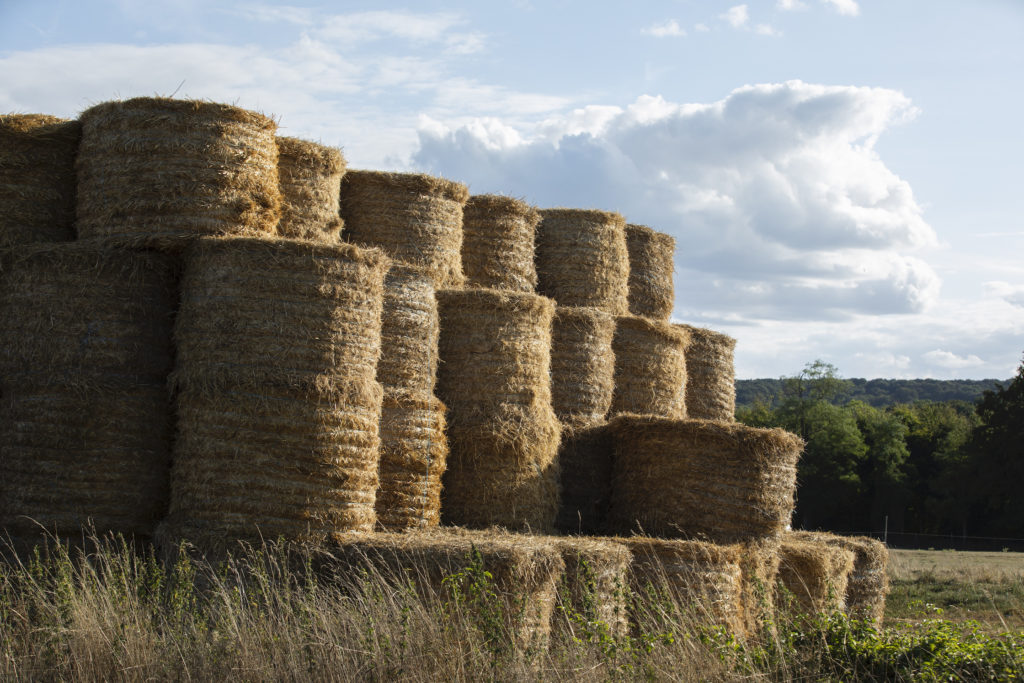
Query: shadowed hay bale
(759, 561)
(728, 482)
(585, 466)
(413, 453)
(868, 584)
(650, 368)
(37, 178)
(310, 180)
(815, 573)
(502, 433)
(651, 266)
(595, 586)
(525, 570)
(582, 259)
(497, 243)
(582, 364)
(704, 577)
(710, 392)
(409, 331)
(414, 218)
(159, 171)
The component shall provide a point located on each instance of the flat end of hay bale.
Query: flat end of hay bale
(157, 106)
(484, 205)
(325, 160)
(574, 215)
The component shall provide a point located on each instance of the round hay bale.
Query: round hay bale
(37, 178)
(410, 329)
(502, 432)
(585, 465)
(710, 392)
(724, 481)
(815, 573)
(413, 454)
(497, 243)
(595, 586)
(582, 364)
(868, 583)
(310, 180)
(582, 259)
(650, 368)
(413, 217)
(283, 312)
(651, 266)
(157, 171)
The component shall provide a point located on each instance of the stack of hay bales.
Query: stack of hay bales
(310, 180)
(85, 420)
(37, 178)
(868, 583)
(595, 586)
(161, 172)
(815, 573)
(710, 387)
(497, 243)
(650, 368)
(651, 266)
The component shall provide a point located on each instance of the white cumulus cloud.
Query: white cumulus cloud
(951, 361)
(736, 16)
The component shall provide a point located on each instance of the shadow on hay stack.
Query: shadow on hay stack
(868, 583)
(37, 178)
(595, 586)
(651, 267)
(310, 180)
(650, 368)
(414, 218)
(497, 243)
(85, 419)
(278, 403)
(502, 433)
(814, 573)
(159, 172)
(710, 392)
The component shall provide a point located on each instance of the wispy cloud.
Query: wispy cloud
(790, 5)
(848, 8)
(737, 16)
(666, 29)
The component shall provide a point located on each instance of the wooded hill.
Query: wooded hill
(879, 393)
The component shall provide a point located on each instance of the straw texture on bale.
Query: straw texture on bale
(503, 435)
(650, 368)
(816, 574)
(414, 218)
(596, 582)
(759, 561)
(497, 243)
(651, 266)
(723, 481)
(413, 453)
(710, 392)
(409, 331)
(582, 364)
(159, 171)
(869, 582)
(310, 179)
(582, 259)
(585, 465)
(37, 178)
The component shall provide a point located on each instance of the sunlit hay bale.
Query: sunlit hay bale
(413, 454)
(869, 582)
(497, 243)
(710, 392)
(37, 178)
(651, 266)
(650, 368)
(502, 432)
(310, 179)
(157, 171)
(815, 573)
(724, 481)
(595, 586)
(585, 466)
(668, 574)
(582, 364)
(451, 565)
(414, 218)
(409, 331)
(759, 561)
(582, 259)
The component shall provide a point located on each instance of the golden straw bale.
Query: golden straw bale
(869, 582)
(595, 586)
(409, 331)
(497, 243)
(815, 573)
(413, 217)
(650, 368)
(413, 453)
(582, 259)
(725, 481)
(582, 364)
(310, 180)
(37, 178)
(502, 432)
(651, 266)
(585, 465)
(710, 392)
(759, 561)
(158, 171)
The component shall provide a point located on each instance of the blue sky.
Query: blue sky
(843, 177)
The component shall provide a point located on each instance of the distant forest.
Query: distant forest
(878, 393)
